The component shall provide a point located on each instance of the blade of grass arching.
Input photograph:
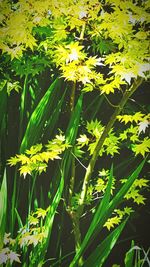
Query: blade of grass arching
(40, 116)
(102, 251)
(102, 217)
(122, 166)
(124, 189)
(3, 208)
(98, 215)
(60, 176)
(129, 256)
(44, 111)
(62, 259)
(104, 203)
(20, 224)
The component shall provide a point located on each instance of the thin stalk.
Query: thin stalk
(72, 179)
(72, 97)
(64, 257)
(74, 217)
(22, 107)
(14, 202)
(72, 182)
(77, 234)
(31, 193)
(100, 143)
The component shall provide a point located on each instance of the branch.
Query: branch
(100, 143)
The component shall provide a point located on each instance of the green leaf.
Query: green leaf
(100, 254)
(129, 256)
(60, 177)
(3, 103)
(42, 113)
(3, 208)
(104, 211)
(143, 147)
(19, 219)
(99, 215)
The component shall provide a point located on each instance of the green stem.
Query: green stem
(31, 193)
(100, 143)
(72, 97)
(77, 234)
(72, 179)
(22, 107)
(72, 182)
(73, 215)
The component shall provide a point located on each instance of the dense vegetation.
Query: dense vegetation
(74, 122)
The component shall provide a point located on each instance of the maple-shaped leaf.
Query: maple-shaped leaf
(41, 213)
(13, 256)
(83, 140)
(107, 88)
(33, 220)
(111, 222)
(34, 149)
(3, 255)
(95, 128)
(13, 161)
(133, 193)
(142, 126)
(74, 52)
(134, 138)
(141, 182)
(104, 172)
(125, 118)
(24, 239)
(36, 158)
(142, 148)
(128, 210)
(25, 169)
(139, 199)
(24, 159)
(123, 136)
(137, 116)
(100, 185)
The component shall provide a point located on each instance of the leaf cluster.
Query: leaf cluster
(37, 157)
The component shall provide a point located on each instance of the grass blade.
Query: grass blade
(101, 209)
(129, 256)
(20, 224)
(105, 215)
(40, 115)
(23, 104)
(98, 257)
(3, 208)
(71, 133)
